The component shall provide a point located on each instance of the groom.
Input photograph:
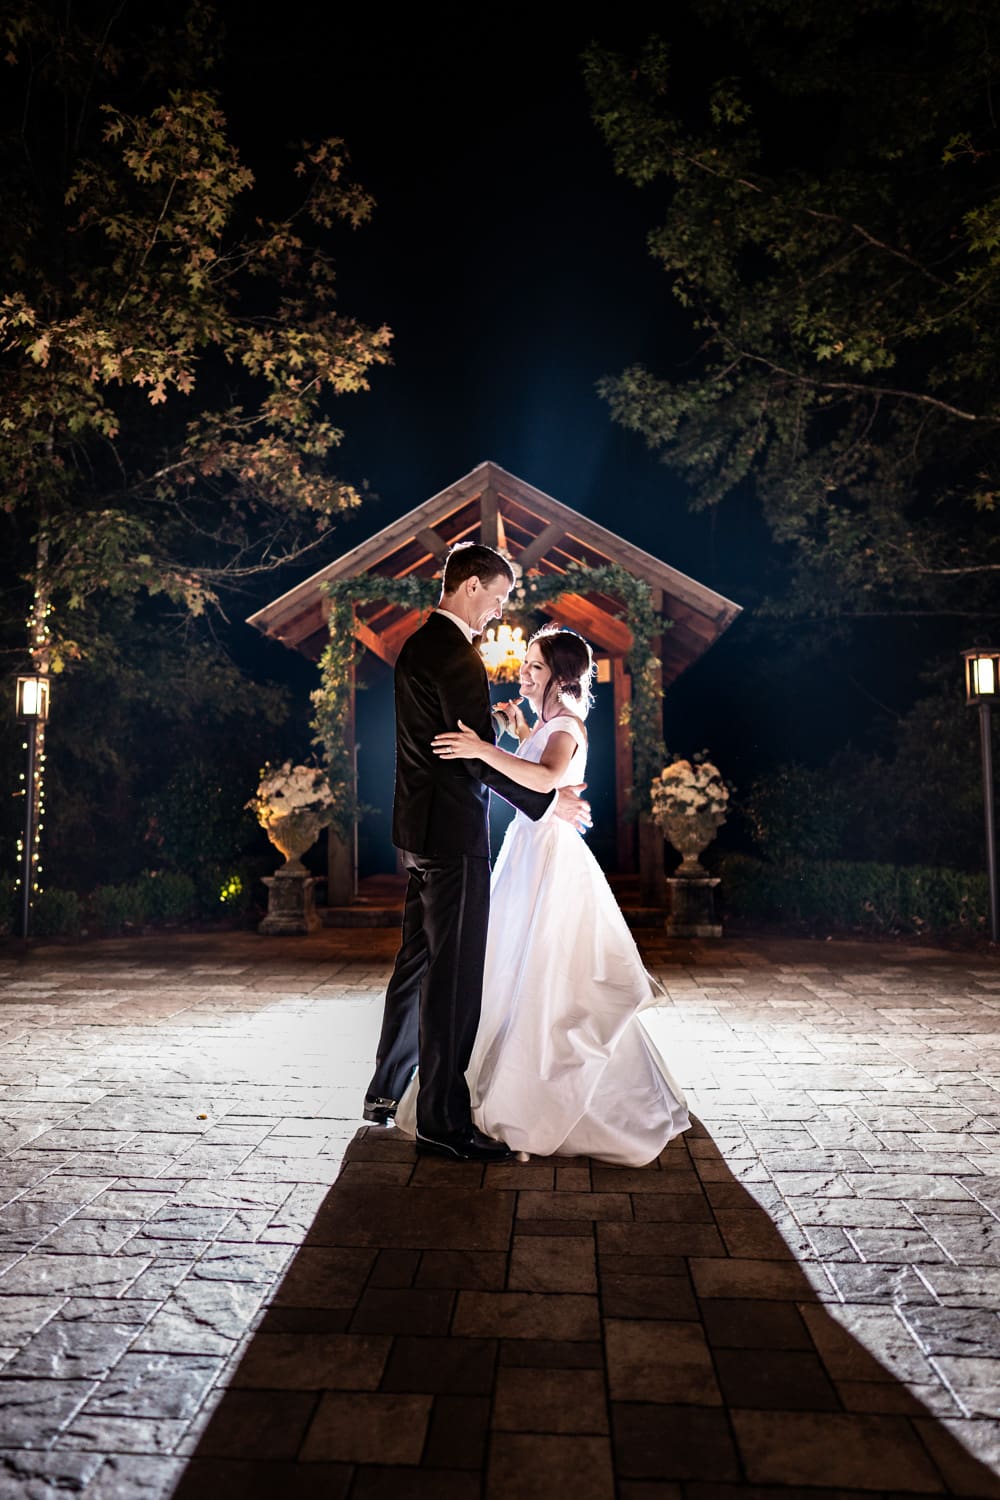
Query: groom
(440, 826)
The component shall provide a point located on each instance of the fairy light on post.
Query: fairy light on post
(32, 708)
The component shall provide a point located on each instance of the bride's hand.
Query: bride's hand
(458, 744)
(517, 725)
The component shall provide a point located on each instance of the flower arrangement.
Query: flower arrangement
(689, 788)
(290, 789)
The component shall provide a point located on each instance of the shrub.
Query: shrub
(792, 815)
(168, 896)
(8, 906)
(117, 906)
(227, 890)
(199, 817)
(56, 913)
(866, 897)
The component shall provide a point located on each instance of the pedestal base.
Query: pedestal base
(291, 906)
(692, 906)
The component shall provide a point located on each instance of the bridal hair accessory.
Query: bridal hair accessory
(571, 662)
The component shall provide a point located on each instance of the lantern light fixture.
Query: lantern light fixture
(982, 691)
(32, 699)
(982, 675)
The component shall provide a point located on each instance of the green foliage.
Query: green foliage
(9, 908)
(155, 898)
(831, 225)
(795, 814)
(826, 896)
(56, 913)
(169, 351)
(115, 907)
(331, 700)
(917, 799)
(230, 890)
(199, 817)
(167, 896)
(645, 712)
(153, 745)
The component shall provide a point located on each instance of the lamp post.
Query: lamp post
(32, 709)
(982, 689)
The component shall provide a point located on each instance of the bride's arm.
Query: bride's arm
(541, 776)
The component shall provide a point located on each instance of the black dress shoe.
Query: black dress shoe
(464, 1145)
(379, 1111)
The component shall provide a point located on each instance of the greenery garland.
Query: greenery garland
(331, 700)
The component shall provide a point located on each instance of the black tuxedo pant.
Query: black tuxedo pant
(434, 997)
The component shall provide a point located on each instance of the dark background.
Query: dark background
(511, 265)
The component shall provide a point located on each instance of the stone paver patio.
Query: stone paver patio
(800, 1298)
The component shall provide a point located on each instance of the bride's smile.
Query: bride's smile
(535, 678)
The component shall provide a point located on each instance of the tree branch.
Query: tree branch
(867, 390)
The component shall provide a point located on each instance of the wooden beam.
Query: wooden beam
(433, 541)
(621, 685)
(394, 635)
(303, 623)
(488, 517)
(706, 601)
(375, 643)
(374, 550)
(576, 612)
(536, 549)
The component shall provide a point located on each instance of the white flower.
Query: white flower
(689, 790)
(290, 789)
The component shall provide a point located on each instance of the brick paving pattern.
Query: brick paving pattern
(800, 1298)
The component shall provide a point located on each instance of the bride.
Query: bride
(562, 1063)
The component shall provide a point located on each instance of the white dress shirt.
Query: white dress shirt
(463, 625)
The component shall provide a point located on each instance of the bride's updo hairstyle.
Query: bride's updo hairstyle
(571, 662)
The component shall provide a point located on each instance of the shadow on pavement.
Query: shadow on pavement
(450, 1333)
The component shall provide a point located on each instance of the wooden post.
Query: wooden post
(341, 872)
(488, 517)
(622, 690)
(652, 880)
(652, 877)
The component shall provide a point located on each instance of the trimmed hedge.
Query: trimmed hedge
(56, 914)
(154, 899)
(865, 897)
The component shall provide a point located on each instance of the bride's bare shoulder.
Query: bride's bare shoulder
(568, 724)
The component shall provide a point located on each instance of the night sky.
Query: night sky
(511, 265)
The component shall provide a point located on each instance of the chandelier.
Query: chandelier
(503, 650)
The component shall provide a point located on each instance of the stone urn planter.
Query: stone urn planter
(690, 834)
(689, 806)
(292, 835)
(293, 803)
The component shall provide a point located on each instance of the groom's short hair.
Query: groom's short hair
(473, 560)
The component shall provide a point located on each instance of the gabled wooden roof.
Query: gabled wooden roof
(539, 533)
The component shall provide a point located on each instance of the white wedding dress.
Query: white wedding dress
(562, 1064)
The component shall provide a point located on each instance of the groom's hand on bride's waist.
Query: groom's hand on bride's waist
(571, 806)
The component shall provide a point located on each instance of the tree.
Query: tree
(169, 344)
(832, 231)
(168, 350)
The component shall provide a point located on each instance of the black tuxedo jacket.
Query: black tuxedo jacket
(441, 806)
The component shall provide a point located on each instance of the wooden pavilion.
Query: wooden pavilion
(536, 532)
